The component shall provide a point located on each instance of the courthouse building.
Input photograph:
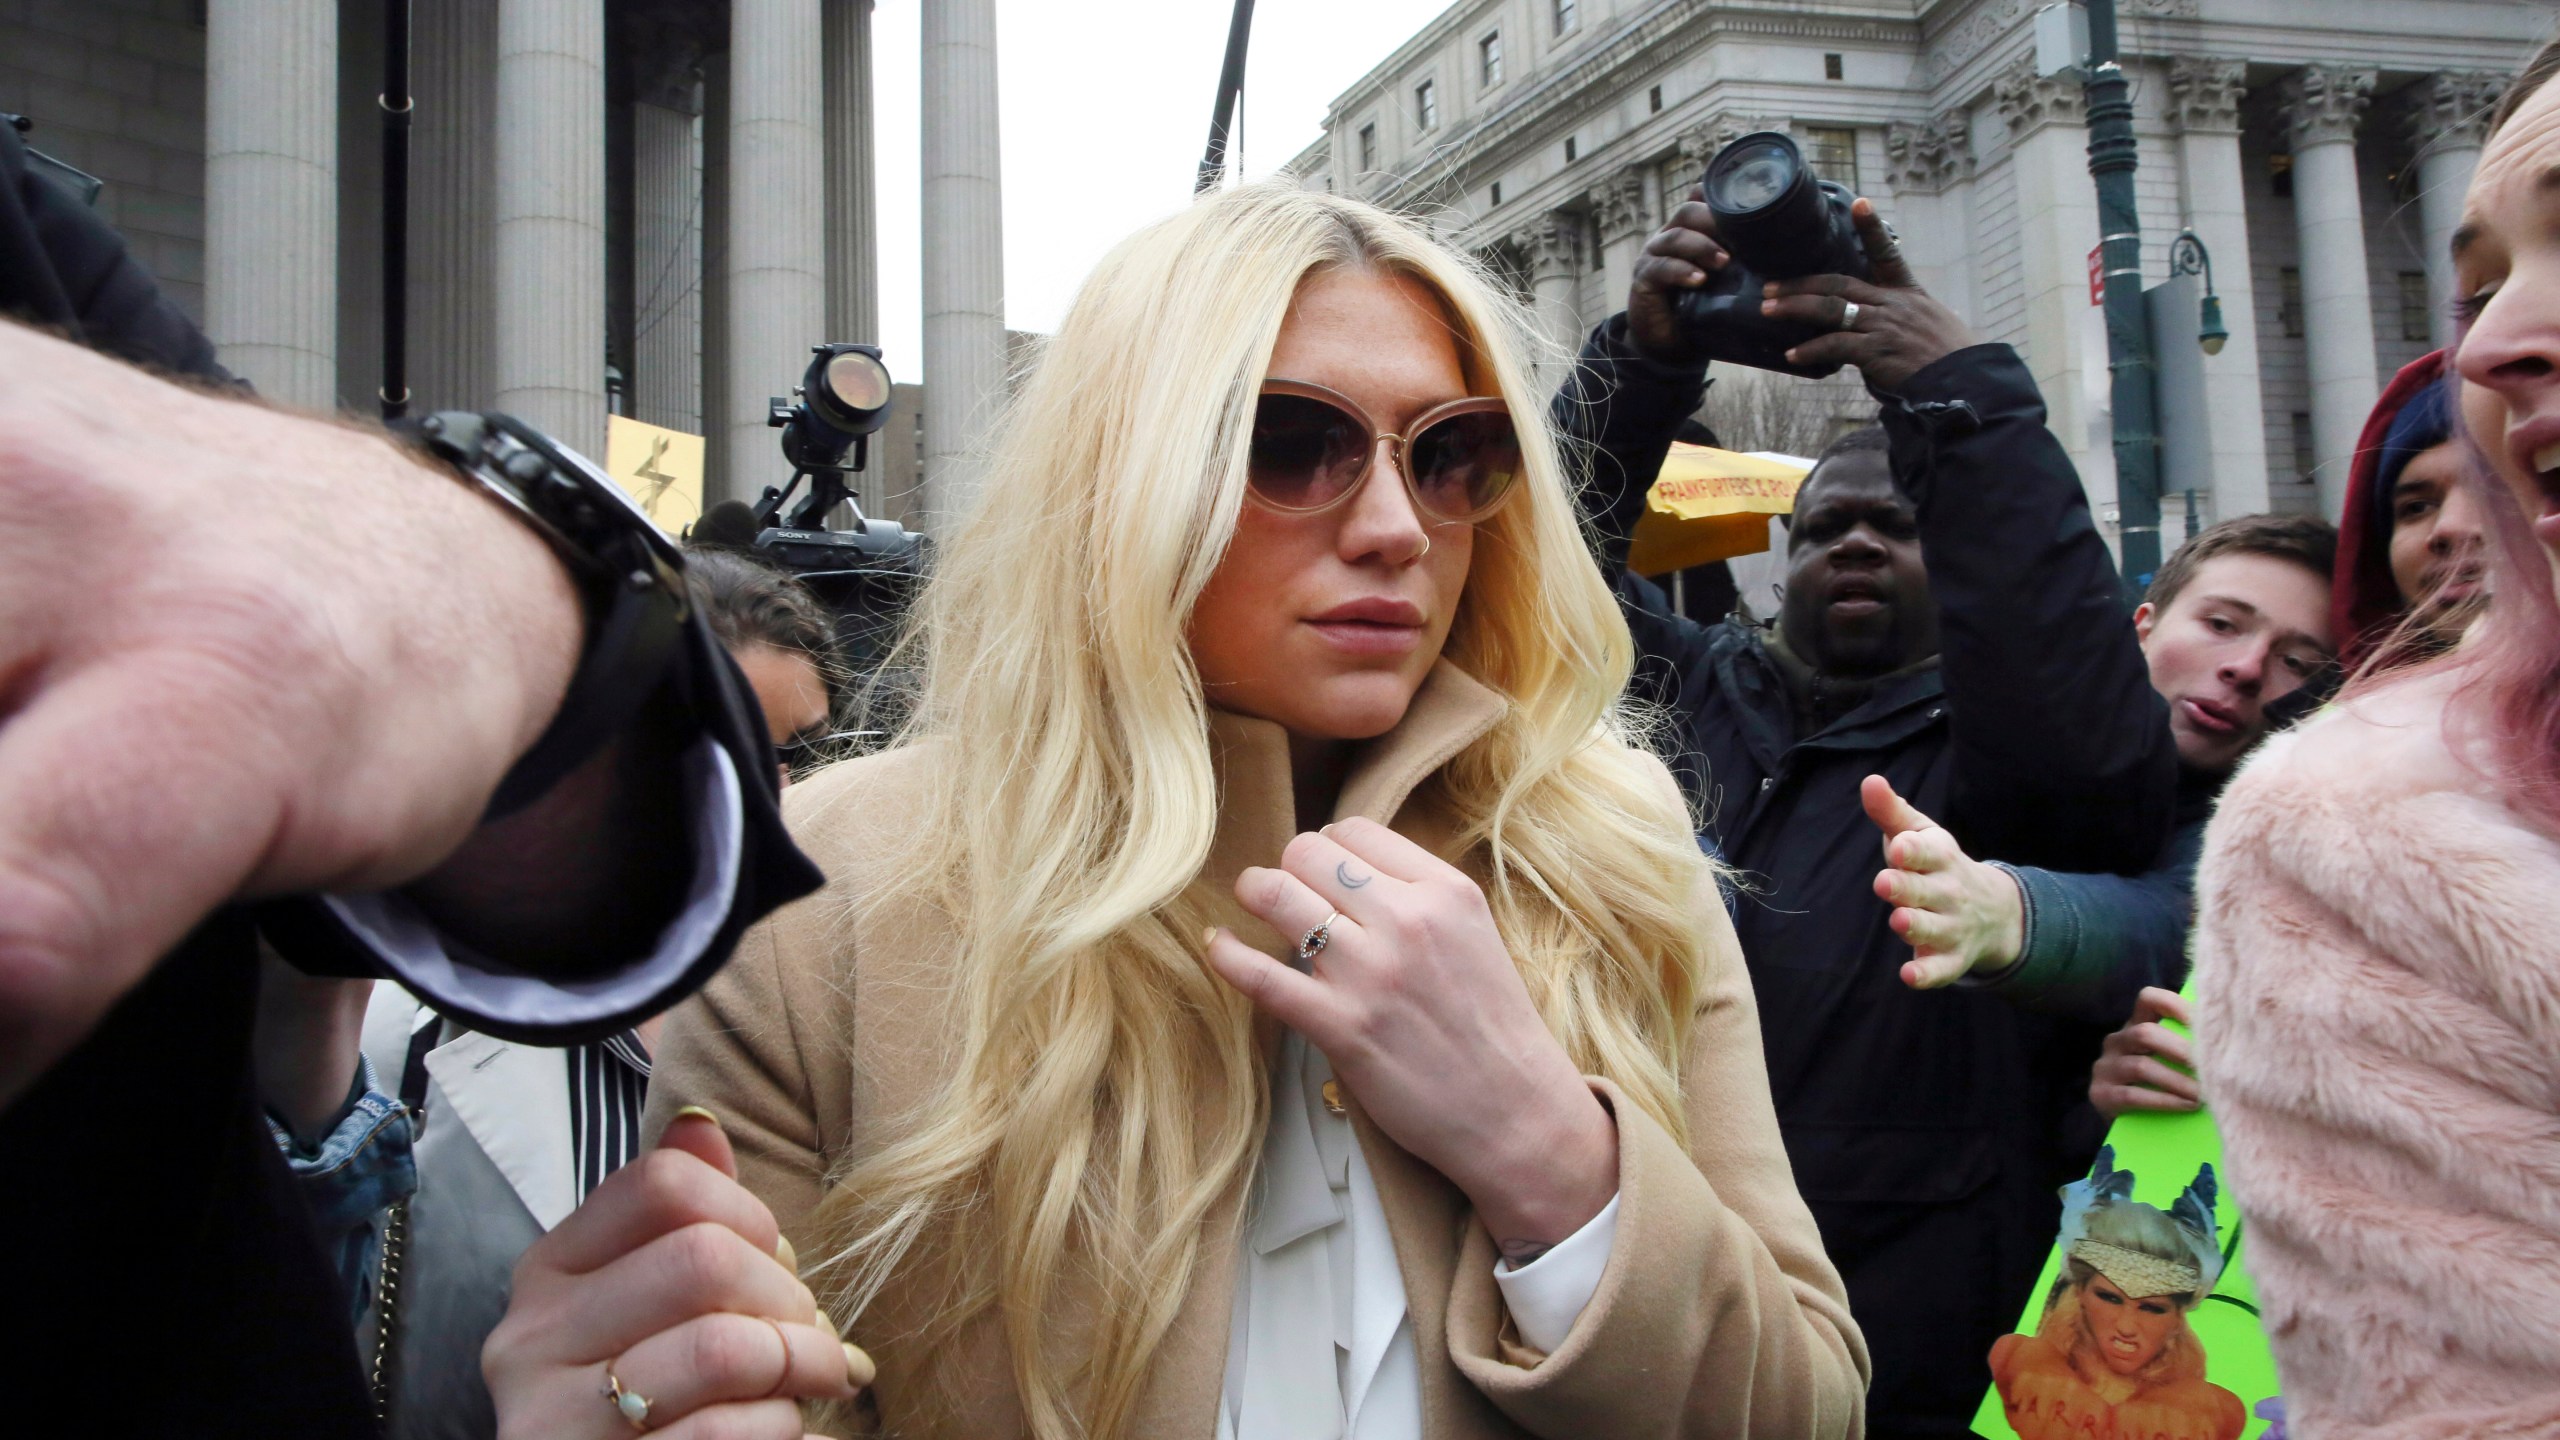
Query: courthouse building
(2319, 152)
(649, 207)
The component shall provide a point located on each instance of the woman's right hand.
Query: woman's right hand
(668, 1278)
(2134, 1069)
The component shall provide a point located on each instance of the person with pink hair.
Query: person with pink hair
(2378, 995)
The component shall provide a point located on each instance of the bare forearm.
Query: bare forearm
(310, 1033)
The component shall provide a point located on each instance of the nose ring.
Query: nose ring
(1426, 546)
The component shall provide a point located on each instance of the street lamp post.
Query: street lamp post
(2129, 364)
(2187, 256)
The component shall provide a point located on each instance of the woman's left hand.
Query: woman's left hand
(1415, 1001)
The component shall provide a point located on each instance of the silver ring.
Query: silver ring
(1426, 546)
(1314, 941)
(1848, 314)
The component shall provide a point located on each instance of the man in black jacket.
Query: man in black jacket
(246, 654)
(1953, 623)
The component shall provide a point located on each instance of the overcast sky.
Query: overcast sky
(1106, 110)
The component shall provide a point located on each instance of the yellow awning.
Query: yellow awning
(1709, 505)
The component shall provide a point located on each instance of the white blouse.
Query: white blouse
(1322, 1348)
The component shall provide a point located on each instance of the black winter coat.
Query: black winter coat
(1926, 1129)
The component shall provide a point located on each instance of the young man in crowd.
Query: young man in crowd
(2236, 621)
(1951, 620)
(2408, 582)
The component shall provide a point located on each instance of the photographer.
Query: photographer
(313, 660)
(1953, 622)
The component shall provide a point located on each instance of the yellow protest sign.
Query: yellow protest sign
(658, 467)
(1710, 504)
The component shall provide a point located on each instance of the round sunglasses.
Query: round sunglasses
(1312, 447)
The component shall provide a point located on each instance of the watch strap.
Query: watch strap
(629, 575)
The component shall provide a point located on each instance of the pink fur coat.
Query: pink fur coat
(2378, 1023)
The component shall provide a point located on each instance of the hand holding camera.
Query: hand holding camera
(1767, 265)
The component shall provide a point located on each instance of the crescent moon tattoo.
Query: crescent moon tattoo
(1342, 873)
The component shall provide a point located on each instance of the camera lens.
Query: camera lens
(1771, 209)
(856, 383)
(1752, 175)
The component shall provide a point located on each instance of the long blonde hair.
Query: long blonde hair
(1109, 1089)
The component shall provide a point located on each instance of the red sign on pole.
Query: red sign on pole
(2098, 273)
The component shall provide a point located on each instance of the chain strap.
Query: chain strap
(395, 1238)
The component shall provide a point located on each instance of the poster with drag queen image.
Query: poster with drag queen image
(2142, 1327)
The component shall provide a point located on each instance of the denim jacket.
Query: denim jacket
(362, 1167)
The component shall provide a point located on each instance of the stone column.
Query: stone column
(550, 217)
(852, 242)
(271, 195)
(452, 249)
(2204, 111)
(777, 224)
(1924, 163)
(666, 246)
(2447, 127)
(2066, 345)
(2323, 104)
(853, 253)
(1552, 247)
(1624, 219)
(964, 345)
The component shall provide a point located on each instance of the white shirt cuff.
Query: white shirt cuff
(1547, 1295)
(446, 974)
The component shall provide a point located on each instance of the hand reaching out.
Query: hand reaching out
(1959, 915)
(672, 1285)
(2146, 1065)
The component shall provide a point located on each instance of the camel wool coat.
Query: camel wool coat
(2378, 1032)
(1717, 1315)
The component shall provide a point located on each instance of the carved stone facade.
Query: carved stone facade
(2205, 92)
(1548, 246)
(1618, 205)
(1932, 155)
(2452, 110)
(2325, 103)
(1699, 143)
(1938, 110)
(2029, 101)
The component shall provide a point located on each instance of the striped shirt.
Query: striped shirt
(608, 1082)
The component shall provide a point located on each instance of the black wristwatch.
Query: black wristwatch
(628, 572)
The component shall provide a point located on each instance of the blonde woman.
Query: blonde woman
(1274, 640)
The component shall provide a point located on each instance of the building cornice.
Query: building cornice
(1647, 42)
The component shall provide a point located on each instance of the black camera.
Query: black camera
(1778, 221)
(865, 573)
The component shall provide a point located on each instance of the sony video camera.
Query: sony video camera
(866, 572)
(1778, 221)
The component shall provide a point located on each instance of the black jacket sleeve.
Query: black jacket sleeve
(66, 270)
(1614, 420)
(63, 268)
(2061, 750)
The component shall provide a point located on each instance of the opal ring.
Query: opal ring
(631, 1405)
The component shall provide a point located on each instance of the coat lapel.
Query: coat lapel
(514, 1099)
